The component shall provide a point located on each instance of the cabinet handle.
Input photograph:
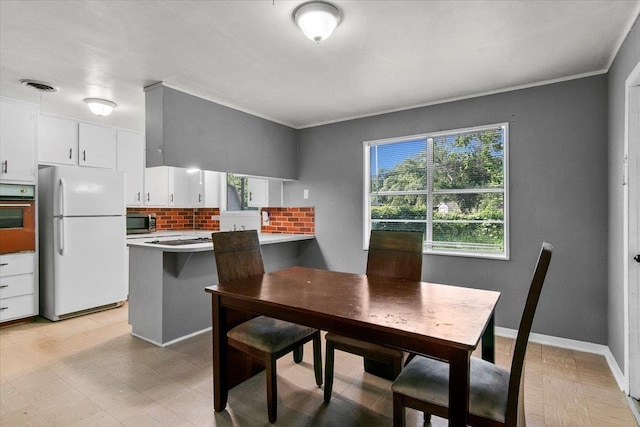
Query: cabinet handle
(84, 155)
(5, 166)
(148, 198)
(4, 286)
(138, 196)
(199, 198)
(250, 196)
(4, 308)
(4, 264)
(70, 152)
(171, 198)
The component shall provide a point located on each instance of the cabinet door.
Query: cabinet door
(258, 192)
(195, 186)
(97, 146)
(213, 182)
(130, 160)
(156, 186)
(179, 193)
(17, 143)
(57, 140)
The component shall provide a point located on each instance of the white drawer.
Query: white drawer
(12, 286)
(16, 307)
(11, 264)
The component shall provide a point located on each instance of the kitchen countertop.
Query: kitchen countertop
(142, 240)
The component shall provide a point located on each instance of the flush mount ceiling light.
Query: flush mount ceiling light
(317, 19)
(100, 107)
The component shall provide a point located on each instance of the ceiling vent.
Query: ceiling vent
(38, 85)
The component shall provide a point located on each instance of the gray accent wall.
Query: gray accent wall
(558, 193)
(626, 59)
(187, 131)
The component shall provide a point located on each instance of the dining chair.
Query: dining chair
(496, 395)
(238, 256)
(395, 254)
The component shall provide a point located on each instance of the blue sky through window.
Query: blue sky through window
(387, 156)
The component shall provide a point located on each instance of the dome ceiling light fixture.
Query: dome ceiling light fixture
(317, 19)
(100, 107)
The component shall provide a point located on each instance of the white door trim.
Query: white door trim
(631, 239)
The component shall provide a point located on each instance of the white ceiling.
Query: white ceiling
(384, 55)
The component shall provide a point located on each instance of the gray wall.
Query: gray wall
(186, 131)
(558, 192)
(626, 59)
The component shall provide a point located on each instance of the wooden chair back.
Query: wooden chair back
(395, 254)
(517, 363)
(237, 255)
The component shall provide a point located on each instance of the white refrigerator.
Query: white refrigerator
(82, 240)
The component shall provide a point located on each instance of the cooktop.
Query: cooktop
(180, 242)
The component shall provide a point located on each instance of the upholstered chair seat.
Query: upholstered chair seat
(269, 335)
(427, 380)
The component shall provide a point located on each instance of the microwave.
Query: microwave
(141, 223)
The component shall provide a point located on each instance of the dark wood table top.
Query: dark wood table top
(452, 316)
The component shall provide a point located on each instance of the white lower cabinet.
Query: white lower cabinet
(18, 293)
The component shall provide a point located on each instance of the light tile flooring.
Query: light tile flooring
(89, 371)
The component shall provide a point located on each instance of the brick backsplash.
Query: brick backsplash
(183, 218)
(290, 220)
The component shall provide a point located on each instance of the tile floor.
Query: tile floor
(89, 371)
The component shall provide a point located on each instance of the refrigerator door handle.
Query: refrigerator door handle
(61, 236)
(62, 197)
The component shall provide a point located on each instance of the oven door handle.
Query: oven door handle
(61, 236)
(15, 205)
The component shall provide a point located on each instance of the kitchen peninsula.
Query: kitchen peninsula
(168, 274)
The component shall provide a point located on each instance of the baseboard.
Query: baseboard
(569, 344)
(168, 343)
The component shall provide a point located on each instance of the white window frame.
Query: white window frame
(429, 220)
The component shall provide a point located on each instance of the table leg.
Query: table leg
(489, 341)
(459, 387)
(219, 325)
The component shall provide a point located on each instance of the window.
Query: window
(450, 185)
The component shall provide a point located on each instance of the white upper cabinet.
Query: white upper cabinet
(258, 192)
(195, 186)
(156, 186)
(130, 160)
(17, 143)
(175, 187)
(180, 194)
(213, 185)
(96, 146)
(57, 140)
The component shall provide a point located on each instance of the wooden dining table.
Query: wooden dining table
(443, 321)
